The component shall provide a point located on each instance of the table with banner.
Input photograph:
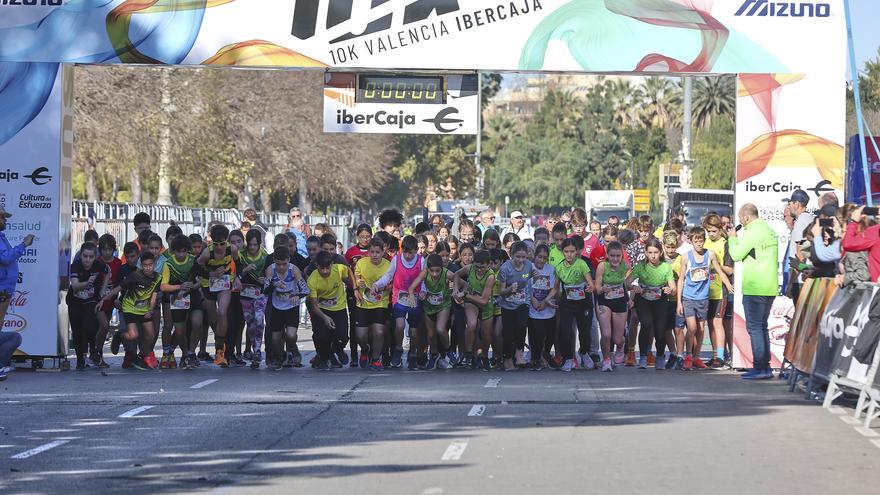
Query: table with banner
(834, 338)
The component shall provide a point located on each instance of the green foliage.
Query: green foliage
(644, 145)
(715, 156)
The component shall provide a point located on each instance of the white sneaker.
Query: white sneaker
(606, 365)
(7, 369)
(643, 363)
(587, 362)
(568, 366)
(660, 364)
(443, 364)
(618, 358)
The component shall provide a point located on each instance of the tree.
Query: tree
(715, 155)
(714, 97)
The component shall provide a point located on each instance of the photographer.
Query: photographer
(863, 235)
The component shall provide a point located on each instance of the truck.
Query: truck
(601, 205)
(694, 204)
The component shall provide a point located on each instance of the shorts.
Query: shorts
(195, 304)
(375, 316)
(412, 315)
(693, 308)
(714, 310)
(135, 318)
(615, 305)
(673, 318)
(284, 318)
(210, 296)
(728, 310)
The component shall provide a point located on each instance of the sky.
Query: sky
(866, 35)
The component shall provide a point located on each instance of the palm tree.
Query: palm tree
(499, 132)
(713, 97)
(661, 102)
(625, 97)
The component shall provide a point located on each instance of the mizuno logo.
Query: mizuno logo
(765, 8)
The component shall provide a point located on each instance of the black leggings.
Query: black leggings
(580, 312)
(84, 327)
(538, 332)
(514, 323)
(459, 325)
(652, 316)
(330, 340)
(235, 318)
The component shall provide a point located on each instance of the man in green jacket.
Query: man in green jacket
(757, 247)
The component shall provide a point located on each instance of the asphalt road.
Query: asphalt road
(353, 431)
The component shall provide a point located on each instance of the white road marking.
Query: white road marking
(867, 432)
(434, 490)
(204, 383)
(850, 420)
(836, 410)
(492, 383)
(36, 450)
(477, 410)
(876, 443)
(454, 451)
(134, 412)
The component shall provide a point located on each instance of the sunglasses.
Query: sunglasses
(221, 243)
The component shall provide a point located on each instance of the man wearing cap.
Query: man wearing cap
(518, 226)
(9, 341)
(797, 204)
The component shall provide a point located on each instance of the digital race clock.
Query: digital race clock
(400, 89)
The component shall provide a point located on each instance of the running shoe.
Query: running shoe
(606, 364)
(757, 375)
(432, 362)
(679, 363)
(508, 365)
(237, 360)
(597, 359)
(248, 356)
(443, 364)
(452, 357)
(151, 360)
(716, 364)
(342, 357)
(485, 364)
(412, 363)
(334, 363)
(194, 360)
(699, 364)
(115, 342)
(688, 363)
(2, 377)
(276, 365)
(322, 365)
(651, 359)
(519, 359)
(354, 362)
(586, 362)
(630, 358)
(397, 358)
(567, 366)
(386, 360)
(81, 365)
(618, 358)
(556, 362)
(140, 364)
(204, 356)
(163, 363)
(128, 359)
(220, 359)
(643, 363)
(102, 364)
(377, 366)
(670, 363)
(364, 361)
(538, 365)
(172, 362)
(297, 360)
(255, 361)
(660, 363)
(287, 360)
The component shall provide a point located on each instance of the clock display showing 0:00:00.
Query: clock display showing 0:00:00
(400, 89)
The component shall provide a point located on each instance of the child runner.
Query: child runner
(674, 321)
(575, 284)
(139, 300)
(285, 285)
(459, 317)
(88, 278)
(252, 263)
(717, 243)
(131, 255)
(559, 234)
(236, 313)
(655, 285)
(361, 249)
(613, 303)
(515, 275)
(107, 252)
(217, 261)
(404, 268)
(542, 307)
(179, 282)
(693, 292)
(473, 289)
(491, 240)
(371, 307)
(437, 304)
(328, 307)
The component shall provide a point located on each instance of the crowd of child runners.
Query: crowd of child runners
(570, 295)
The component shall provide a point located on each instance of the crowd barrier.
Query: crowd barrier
(116, 219)
(834, 340)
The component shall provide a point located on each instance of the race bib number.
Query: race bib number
(699, 274)
(541, 283)
(407, 300)
(577, 293)
(328, 303)
(290, 299)
(85, 294)
(518, 297)
(181, 302)
(251, 291)
(435, 298)
(652, 293)
(141, 305)
(371, 298)
(220, 284)
(615, 292)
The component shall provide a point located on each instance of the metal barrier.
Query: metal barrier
(117, 219)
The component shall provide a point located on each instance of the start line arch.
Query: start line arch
(789, 58)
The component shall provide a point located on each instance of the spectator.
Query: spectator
(9, 341)
(829, 199)
(436, 223)
(518, 226)
(758, 250)
(797, 205)
(487, 220)
(859, 238)
(251, 217)
(853, 264)
(614, 221)
(297, 227)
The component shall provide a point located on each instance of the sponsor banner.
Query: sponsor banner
(839, 330)
(31, 184)
(855, 177)
(401, 104)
